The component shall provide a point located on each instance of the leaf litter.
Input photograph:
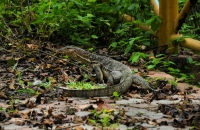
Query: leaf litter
(29, 98)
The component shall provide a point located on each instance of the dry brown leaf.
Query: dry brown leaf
(20, 123)
(48, 123)
(2, 95)
(44, 74)
(134, 95)
(65, 76)
(78, 120)
(180, 93)
(31, 104)
(48, 66)
(50, 111)
(31, 59)
(78, 128)
(18, 58)
(9, 57)
(12, 84)
(56, 68)
(52, 79)
(60, 98)
(37, 67)
(58, 119)
(103, 105)
(32, 46)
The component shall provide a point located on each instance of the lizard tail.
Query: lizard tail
(140, 81)
(122, 87)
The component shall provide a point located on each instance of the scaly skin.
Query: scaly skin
(109, 65)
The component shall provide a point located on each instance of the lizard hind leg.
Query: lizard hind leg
(114, 78)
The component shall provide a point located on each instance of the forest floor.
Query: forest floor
(30, 100)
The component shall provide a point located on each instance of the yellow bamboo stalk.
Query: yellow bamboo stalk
(162, 33)
(187, 42)
(168, 12)
(155, 7)
(183, 14)
(172, 15)
(191, 44)
(142, 26)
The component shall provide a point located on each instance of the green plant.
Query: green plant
(135, 57)
(28, 91)
(11, 109)
(1, 109)
(154, 22)
(19, 79)
(116, 95)
(82, 85)
(45, 84)
(102, 118)
(82, 22)
(160, 62)
(105, 120)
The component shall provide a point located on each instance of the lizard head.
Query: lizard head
(75, 53)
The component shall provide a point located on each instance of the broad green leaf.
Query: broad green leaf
(90, 15)
(151, 20)
(94, 36)
(114, 45)
(128, 48)
(151, 66)
(134, 58)
(131, 7)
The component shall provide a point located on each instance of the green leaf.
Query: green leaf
(131, 7)
(171, 69)
(146, 43)
(90, 49)
(2, 1)
(158, 19)
(134, 58)
(151, 66)
(128, 48)
(115, 94)
(94, 37)
(155, 25)
(66, 57)
(189, 60)
(11, 62)
(113, 45)
(91, 1)
(151, 20)
(90, 15)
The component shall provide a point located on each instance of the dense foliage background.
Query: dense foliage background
(87, 22)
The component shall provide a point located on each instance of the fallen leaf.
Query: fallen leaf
(31, 59)
(77, 120)
(32, 46)
(2, 95)
(12, 84)
(78, 128)
(103, 105)
(65, 76)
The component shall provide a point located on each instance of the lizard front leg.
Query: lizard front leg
(98, 73)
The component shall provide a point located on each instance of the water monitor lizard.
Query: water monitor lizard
(120, 76)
